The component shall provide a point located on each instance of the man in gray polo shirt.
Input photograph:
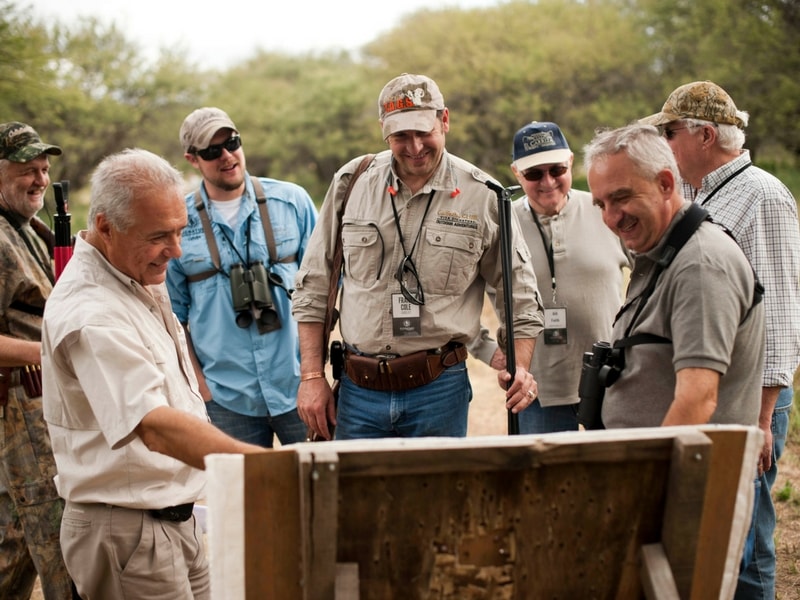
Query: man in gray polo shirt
(691, 329)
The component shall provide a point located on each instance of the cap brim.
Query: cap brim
(409, 120)
(542, 158)
(31, 151)
(660, 118)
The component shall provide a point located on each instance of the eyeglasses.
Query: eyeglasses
(410, 286)
(213, 152)
(670, 133)
(537, 174)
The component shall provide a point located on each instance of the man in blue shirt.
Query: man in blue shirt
(231, 287)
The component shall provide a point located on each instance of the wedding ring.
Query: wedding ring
(530, 394)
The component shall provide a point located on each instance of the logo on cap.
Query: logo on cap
(20, 143)
(538, 141)
(409, 98)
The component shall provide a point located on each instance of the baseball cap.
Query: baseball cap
(201, 125)
(703, 100)
(539, 143)
(20, 143)
(409, 103)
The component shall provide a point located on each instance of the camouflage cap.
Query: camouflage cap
(200, 126)
(20, 143)
(409, 103)
(703, 100)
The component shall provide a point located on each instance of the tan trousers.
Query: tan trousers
(126, 554)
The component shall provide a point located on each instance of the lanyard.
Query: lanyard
(419, 231)
(548, 250)
(246, 242)
(721, 185)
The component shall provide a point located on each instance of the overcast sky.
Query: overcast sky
(220, 32)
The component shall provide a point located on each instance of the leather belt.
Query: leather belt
(180, 513)
(399, 373)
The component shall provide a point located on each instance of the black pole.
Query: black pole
(504, 212)
(62, 227)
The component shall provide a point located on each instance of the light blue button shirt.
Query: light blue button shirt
(247, 372)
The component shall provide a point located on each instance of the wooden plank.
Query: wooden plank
(381, 458)
(726, 514)
(319, 501)
(657, 579)
(683, 510)
(225, 500)
(271, 488)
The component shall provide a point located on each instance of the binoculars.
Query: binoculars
(252, 298)
(600, 369)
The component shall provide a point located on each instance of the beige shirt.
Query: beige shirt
(112, 351)
(457, 253)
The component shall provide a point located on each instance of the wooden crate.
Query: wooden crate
(660, 513)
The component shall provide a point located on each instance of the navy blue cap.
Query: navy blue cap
(539, 144)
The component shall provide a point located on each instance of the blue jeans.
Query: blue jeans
(258, 430)
(548, 419)
(438, 408)
(757, 577)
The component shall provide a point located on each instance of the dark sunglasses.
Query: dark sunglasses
(537, 174)
(213, 152)
(410, 286)
(671, 133)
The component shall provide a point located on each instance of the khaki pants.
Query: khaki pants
(124, 553)
(30, 509)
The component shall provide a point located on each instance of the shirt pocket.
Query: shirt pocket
(449, 261)
(362, 252)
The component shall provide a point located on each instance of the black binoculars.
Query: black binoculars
(600, 369)
(252, 298)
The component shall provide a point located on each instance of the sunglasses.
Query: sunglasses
(537, 174)
(671, 133)
(410, 286)
(213, 152)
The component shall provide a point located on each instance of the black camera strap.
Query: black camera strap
(680, 234)
(678, 237)
(213, 249)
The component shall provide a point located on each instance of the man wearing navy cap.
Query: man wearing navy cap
(579, 265)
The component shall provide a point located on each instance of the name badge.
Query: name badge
(555, 325)
(405, 317)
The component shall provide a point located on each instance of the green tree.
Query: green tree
(580, 64)
(107, 97)
(749, 47)
(21, 57)
(301, 117)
